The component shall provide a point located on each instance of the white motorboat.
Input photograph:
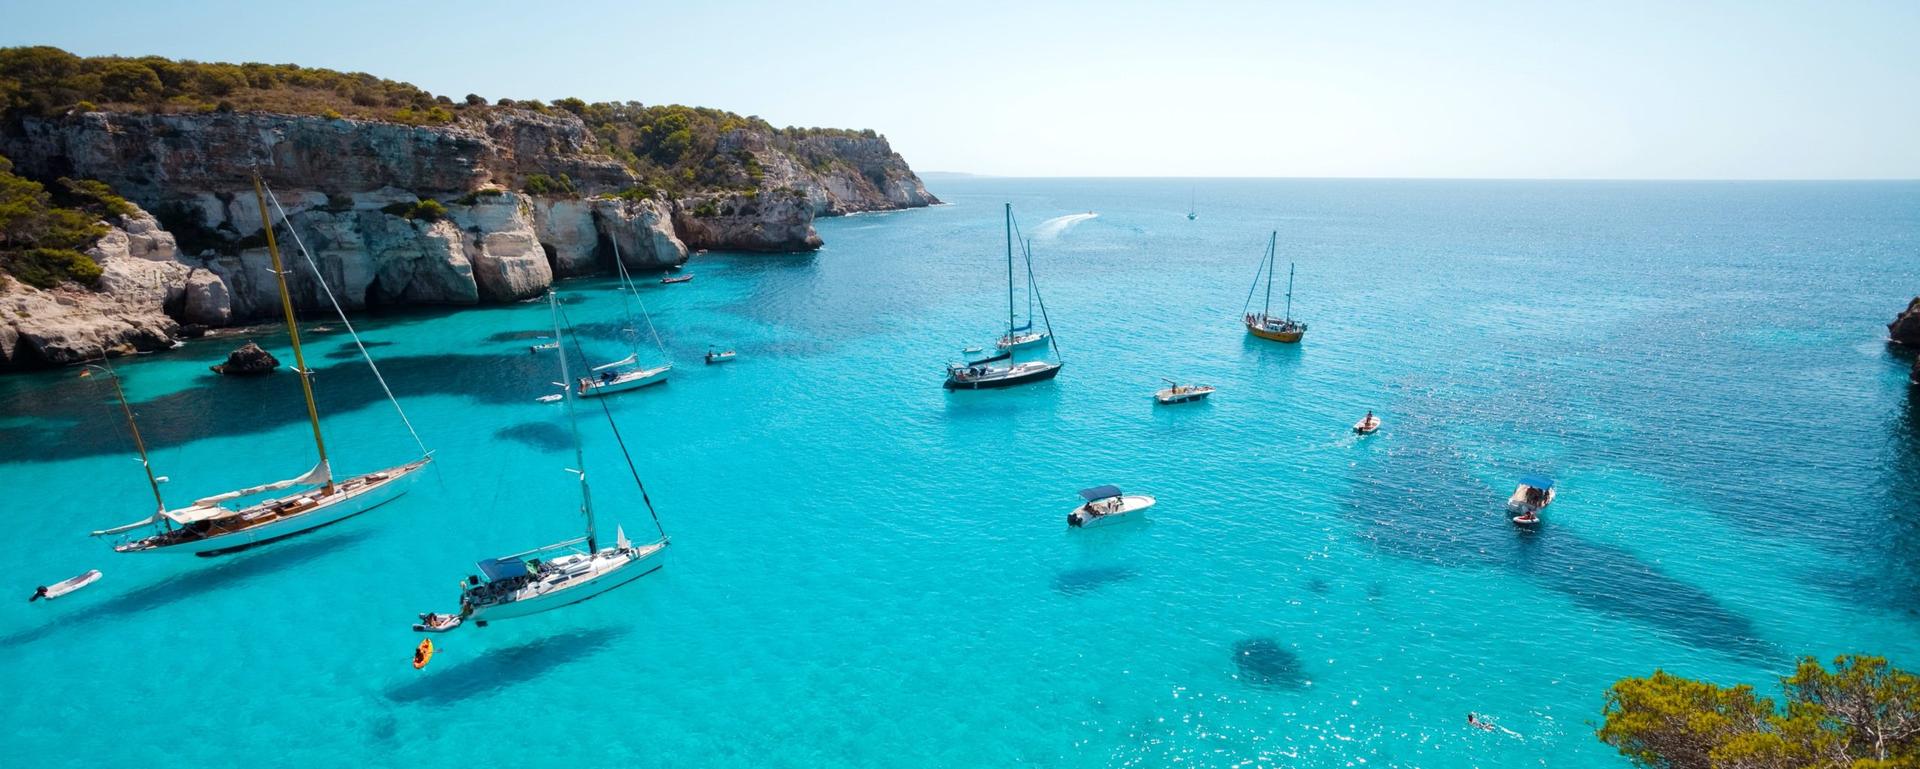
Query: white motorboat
(65, 586)
(560, 574)
(1175, 392)
(1105, 505)
(1366, 425)
(1532, 496)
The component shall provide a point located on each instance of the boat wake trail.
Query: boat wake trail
(1057, 226)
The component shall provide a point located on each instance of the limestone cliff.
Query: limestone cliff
(1905, 328)
(408, 199)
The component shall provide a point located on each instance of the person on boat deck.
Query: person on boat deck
(606, 376)
(38, 593)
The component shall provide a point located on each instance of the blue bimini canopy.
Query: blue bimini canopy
(1540, 482)
(1100, 492)
(498, 569)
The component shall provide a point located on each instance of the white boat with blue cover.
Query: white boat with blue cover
(1106, 505)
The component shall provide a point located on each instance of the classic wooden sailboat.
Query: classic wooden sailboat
(1003, 370)
(625, 374)
(560, 574)
(208, 528)
(1263, 324)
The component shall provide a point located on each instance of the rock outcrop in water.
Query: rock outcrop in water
(1905, 328)
(470, 204)
(249, 360)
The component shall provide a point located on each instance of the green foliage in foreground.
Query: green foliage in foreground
(1862, 714)
(42, 234)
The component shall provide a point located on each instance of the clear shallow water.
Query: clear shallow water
(869, 571)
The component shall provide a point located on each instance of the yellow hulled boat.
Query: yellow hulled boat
(1264, 324)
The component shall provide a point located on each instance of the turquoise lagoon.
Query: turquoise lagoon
(867, 570)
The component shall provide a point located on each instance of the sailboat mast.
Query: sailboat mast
(1009, 275)
(138, 443)
(573, 424)
(1289, 292)
(293, 335)
(626, 298)
(1272, 244)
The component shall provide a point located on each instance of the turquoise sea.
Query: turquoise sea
(869, 571)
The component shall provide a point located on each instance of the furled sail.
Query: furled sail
(621, 362)
(318, 475)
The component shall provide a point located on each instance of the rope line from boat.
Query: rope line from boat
(627, 288)
(1250, 289)
(331, 299)
(1033, 291)
(617, 437)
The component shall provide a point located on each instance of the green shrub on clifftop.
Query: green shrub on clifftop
(40, 240)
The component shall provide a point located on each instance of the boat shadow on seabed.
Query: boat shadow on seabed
(191, 585)
(504, 667)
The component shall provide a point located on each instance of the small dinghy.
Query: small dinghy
(1533, 495)
(1366, 425)
(65, 586)
(543, 346)
(719, 356)
(677, 278)
(431, 622)
(1175, 392)
(549, 398)
(1104, 505)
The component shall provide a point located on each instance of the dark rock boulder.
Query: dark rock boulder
(249, 360)
(1905, 329)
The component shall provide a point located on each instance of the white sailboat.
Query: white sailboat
(625, 374)
(209, 528)
(560, 574)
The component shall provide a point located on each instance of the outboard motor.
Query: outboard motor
(1073, 519)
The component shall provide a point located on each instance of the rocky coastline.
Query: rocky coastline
(394, 214)
(1904, 331)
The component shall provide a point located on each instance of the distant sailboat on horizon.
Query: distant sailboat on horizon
(1191, 211)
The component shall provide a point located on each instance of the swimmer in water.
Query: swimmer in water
(1474, 719)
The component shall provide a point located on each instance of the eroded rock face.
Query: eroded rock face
(765, 222)
(141, 277)
(1905, 328)
(249, 360)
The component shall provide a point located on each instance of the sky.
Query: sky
(1606, 90)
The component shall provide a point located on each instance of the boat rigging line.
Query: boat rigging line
(331, 299)
(622, 441)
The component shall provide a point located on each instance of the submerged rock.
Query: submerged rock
(1905, 328)
(249, 360)
(1263, 662)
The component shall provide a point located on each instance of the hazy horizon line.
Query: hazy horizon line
(1810, 179)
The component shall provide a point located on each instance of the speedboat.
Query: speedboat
(988, 377)
(1179, 393)
(1104, 505)
(677, 278)
(1366, 425)
(719, 356)
(65, 586)
(1533, 495)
